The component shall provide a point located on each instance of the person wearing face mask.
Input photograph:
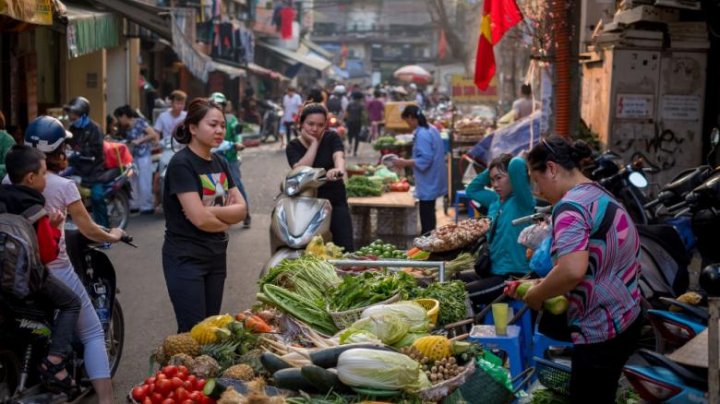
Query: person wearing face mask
(510, 198)
(202, 203)
(88, 161)
(322, 148)
(595, 253)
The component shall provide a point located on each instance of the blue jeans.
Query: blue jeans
(237, 179)
(99, 206)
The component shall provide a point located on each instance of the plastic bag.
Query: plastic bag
(533, 235)
(498, 373)
(541, 261)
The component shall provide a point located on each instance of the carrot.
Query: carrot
(413, 251)
(257, 324)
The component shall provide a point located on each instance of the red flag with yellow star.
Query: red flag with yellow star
(498, 16)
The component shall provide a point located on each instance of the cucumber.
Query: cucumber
(328, 358)
(324, 380)
(292, 379)
(272, 363)
(213, 388)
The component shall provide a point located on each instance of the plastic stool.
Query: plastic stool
(509, 343)
(525, 323)
(541, 343)
(460, 196)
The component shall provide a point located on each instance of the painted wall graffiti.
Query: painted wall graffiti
(663, 147)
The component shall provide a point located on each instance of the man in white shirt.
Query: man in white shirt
(523, 106)
(291, 107)
(168, 120)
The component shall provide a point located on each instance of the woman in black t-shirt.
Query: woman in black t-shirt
(322, 148)
(201, 204)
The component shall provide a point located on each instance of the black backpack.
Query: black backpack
(22, 273)
(334, 104)
(354, 113)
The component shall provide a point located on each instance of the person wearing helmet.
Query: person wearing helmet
(338, 101)
(48, 135)
(230, 148)
(88, 161)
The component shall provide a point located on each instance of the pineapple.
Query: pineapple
(181, 343)
(205, 333)
(205, 367)
(434, 347)
(223, 353)
(239, 372)
(159, 356)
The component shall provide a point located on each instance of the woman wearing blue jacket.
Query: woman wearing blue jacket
(510, 198)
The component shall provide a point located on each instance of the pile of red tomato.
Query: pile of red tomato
(172, 385)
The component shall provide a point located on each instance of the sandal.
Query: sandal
(48, 370)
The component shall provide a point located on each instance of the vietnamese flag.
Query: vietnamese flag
(498, 16)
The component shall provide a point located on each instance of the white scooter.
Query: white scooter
(299, 215)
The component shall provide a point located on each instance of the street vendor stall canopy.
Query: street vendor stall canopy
(303, 56)
(90, 30)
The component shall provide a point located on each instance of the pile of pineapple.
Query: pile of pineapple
(218, 346)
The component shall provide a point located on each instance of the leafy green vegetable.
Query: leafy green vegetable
(298, 307)
(359, 186)
(452, 297)
(368, 288)
(389, 328)
(308, 276)
(412, 313)
(381, 370)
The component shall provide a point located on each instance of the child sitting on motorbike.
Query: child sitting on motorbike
(26, 171)
(510, 198)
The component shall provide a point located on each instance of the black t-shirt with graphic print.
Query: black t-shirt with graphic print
(211, 179)
(329, 145)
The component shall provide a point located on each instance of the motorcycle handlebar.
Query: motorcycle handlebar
(528, 219)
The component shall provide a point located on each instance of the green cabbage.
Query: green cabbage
(390, 328)
(412, 313)
(352, 336)
(381, 370)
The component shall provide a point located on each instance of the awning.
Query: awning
(91, 30)
(314, 47)
(312, 61)
(262, 71)
(31, 11)
(149, 16)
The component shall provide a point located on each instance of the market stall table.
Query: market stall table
(396, 215)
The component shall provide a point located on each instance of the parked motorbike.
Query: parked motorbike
(25, 328)
(299, 215)
(117, 190)
(169, 148)
(271, 120)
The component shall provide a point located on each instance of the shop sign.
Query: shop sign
(634, 106)
(32, 11)
(464, 91)
(680, 107)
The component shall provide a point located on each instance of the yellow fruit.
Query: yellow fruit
(434, 347)
(221, 320)
(206, 334)
(181, 343)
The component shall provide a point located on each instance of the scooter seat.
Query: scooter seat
(691, 378)
(26, 308)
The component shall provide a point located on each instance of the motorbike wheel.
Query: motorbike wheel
(115, 337)
(118, 210)
(9, 374)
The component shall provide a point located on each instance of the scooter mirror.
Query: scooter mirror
(638, 180)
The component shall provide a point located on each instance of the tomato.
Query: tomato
(187, 402)
(168, 401)
(157, 398)
(192, 379)
(139, 393)
(150, 380)
(181, 394)
(176, 382)
(182, 369)
(164, 387)
(151, 388)
(160, 376)
(197, 397)
(170, 371)
(188, 385)
(147, 400)
(208, 400)
(200, 384)
(171, 395)
(182, 375)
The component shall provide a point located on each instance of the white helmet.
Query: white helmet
(339, 89)
(413, 86)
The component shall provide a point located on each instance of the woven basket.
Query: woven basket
(441, 390)
(344, 319)
(554, 376)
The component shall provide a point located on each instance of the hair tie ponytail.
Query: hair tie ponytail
(182, 134)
